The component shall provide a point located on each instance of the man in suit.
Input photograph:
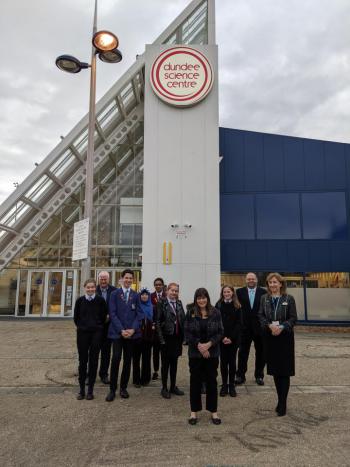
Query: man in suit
(104, 289)
(170, 328)
(249, 298)
(125, 318)
(156, 297)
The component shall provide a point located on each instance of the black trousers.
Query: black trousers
(243, 354)
(121, 347)
(105, 358)
(203, 368)
(282, 384)
(228, 355)
(156, 356)
(170, 353)
(88, 343)
(141, 369)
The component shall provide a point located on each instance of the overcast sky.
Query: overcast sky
(284, 68)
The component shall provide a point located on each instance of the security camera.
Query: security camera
(174, 226)
(188, 226)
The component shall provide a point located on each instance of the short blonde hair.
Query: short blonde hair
(280, 279)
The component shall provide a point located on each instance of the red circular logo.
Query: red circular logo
(181, 76)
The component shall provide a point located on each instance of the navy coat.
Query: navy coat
(124, 315)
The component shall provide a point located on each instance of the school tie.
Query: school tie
(126, 295)
(173, 304)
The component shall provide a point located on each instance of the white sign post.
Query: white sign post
(81, 240)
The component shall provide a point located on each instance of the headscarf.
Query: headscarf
(146, 307)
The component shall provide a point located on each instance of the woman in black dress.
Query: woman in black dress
(90, 313)
(277, 316)
(203, 333)
(231, 316)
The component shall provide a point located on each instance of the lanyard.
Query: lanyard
(275, 306)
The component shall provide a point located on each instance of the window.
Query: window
(237, 217)
(328, 296)
(278, 216)
(324, 216)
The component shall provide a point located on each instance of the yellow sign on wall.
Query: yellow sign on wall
(167, 252)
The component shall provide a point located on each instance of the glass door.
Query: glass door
(35, 299)
(46, 292)
(55, 295)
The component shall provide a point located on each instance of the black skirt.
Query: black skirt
(279, 354)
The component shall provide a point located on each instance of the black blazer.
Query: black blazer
(250, 315)
(110, 289)
(286, 313)
(193, 332)
(166, 320)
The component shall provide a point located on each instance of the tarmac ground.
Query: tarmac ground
(42, 423)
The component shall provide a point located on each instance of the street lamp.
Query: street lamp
(105, 45)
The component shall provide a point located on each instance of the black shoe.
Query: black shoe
(89, 396)
(105, 380)
(232, 390)
(110, 396)
(137, 385)
(81, 396)
(240, 380)
(259, 381)
(223, 390)
(165, 393)
(192, 420)
(155, 376)
(124, 394)
(177, 391)
(216, 421)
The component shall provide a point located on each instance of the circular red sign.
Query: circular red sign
(181, 76)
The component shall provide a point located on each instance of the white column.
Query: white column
(181, 186)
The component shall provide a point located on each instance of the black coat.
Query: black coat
(215, 332)
(110, 289)
(165, 324)
(251, 323)
(232, 320)
(279, 350)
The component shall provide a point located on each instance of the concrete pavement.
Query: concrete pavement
(42, 424)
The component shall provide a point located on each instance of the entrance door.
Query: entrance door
(55, 295)
(35, 299)
(46, 292)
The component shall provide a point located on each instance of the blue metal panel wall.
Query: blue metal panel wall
(257, 164)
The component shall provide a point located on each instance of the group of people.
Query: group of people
(133, 324)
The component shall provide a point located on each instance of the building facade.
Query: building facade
(284, 202)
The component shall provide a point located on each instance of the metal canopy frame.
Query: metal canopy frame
(119, 113)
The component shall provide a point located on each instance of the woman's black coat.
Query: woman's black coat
(193, 332)
(279, 350)
(232, 321)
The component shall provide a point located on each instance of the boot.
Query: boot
(223, 390)
(232, 390)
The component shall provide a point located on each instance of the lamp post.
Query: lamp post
(105, 44)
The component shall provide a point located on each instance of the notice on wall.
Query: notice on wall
(80, 240)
